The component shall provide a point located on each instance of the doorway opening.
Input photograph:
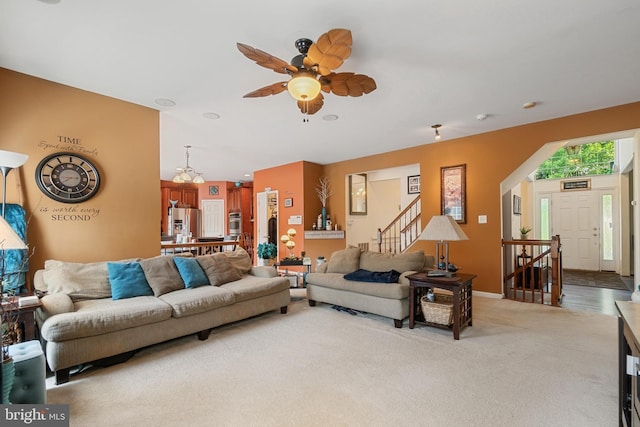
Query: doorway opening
(585, 210)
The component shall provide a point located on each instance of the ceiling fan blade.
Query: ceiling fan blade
(313, 106)
(347, 84)
(272, 89)
(330, 51)
(265, 60)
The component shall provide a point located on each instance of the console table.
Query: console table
(459, 285)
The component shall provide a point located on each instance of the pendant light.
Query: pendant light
(187, 173)
(436, 128)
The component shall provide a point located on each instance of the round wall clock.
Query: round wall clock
(67, 177)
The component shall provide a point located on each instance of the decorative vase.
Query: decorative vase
(8, 374)
(635, 296)
(523, 236)
(324, 218)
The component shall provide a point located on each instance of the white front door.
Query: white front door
(575, 219)
(213, 218)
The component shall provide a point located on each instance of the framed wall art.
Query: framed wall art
(413, 184)
(288, 202)
(453, 192)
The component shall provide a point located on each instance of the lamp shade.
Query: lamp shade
(304, 87)
(9, 239)
(443, 227)
(11, 159)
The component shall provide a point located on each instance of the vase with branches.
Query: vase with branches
(324, 192)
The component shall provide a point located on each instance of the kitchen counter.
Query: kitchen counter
(628, 360)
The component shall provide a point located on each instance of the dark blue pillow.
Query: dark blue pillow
(127, 280)
(192, 274)
(362, 275)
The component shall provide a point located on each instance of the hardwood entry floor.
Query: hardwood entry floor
(595, 300)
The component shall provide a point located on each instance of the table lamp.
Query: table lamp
(442, 229)
(287, 240)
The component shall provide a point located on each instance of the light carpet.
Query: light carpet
(520, 364)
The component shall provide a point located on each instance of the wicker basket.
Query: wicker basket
(439, 311)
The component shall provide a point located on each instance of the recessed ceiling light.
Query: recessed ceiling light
(165, 102)
(530, 104)
(247, 175)
(212, 116)
(482, 116)
(49, 1)
(330, 117)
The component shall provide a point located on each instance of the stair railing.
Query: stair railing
(532, 269)
(403, 230)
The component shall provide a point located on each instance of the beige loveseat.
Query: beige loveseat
(328, 284)
(95, 311)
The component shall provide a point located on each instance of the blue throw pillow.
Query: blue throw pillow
(192, 274)
(127, 280)
(362, 275)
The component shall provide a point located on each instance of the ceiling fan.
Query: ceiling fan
(312, 71)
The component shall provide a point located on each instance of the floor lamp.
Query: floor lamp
(9, 160)
(442, 229)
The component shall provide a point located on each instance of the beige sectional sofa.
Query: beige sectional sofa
(330, 284)
(94, 311)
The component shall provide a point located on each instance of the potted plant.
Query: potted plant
(524, 231)
(267, 252)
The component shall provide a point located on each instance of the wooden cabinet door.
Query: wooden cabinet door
(190, 197)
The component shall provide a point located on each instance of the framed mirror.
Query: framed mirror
(358, 194)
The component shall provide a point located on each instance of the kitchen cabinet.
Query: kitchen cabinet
(240, 201)
(628, 363)
(185, 194)
(234, 198)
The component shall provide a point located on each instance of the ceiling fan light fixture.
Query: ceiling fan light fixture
(304, 86)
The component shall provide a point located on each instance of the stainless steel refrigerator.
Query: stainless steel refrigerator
(184, 222)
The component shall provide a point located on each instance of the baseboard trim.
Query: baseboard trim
(488, 295)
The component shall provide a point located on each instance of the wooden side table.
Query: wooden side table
(460, 285)
(25, 317)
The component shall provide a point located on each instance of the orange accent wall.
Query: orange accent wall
(123, 140)
(39, 117)
(289, 181)
(489, 159)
